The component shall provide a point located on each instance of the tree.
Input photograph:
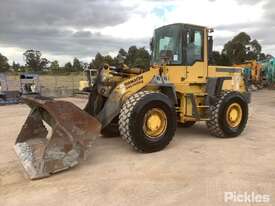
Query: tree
(220, 59)
(242, 48)
(262, 57)
(120, 58)
(43, 64)
(108, 60)
(33, 60)
(143, 58)
(16, 66)
(131, 56)
(242, 38)
(236, 51)
(4, 65)
(77, 65)
(135, 57)
(54, 66)
(254, 50)
(122, 52)
(68, 67)
(138, 57)
(98, 61)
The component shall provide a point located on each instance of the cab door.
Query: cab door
(196, 66)
(177, 72)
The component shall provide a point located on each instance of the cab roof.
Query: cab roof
(183, 25)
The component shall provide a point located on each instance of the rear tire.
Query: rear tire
(133, 121)
(219, 124)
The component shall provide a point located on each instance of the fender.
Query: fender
(214, 88)
(165, 87)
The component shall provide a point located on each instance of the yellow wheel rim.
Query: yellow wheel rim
(234, 115)
(155, 123)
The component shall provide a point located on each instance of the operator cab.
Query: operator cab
(179, 44)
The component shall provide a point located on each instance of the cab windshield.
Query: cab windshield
(167, 41)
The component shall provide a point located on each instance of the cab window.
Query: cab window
(168, 41)
(194, 47)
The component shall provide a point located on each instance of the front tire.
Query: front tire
(147, 121)
(228, 117)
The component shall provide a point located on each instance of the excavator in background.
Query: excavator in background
(253, 74)
(144, 106)
(269, 71)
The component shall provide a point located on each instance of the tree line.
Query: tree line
(235, 51)
(35, 62)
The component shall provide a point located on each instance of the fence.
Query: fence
(52, 85)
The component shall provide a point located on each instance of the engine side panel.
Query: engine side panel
(236, 83)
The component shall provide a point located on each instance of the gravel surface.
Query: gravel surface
(195, 169)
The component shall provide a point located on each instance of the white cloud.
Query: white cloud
(201, 12)
(12, 53)
(214, 13)
(146, 15)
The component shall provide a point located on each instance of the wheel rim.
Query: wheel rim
(155, 123)
(234, 115)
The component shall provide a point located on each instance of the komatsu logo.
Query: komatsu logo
(133, 82)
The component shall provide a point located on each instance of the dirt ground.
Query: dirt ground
(195, 169)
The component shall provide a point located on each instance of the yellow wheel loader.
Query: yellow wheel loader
(88, 79)
(144, 107)
(255, 75)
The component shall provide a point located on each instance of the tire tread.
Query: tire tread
(213, 124)
(125, 115)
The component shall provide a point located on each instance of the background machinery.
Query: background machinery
(143, 105)
(29, 84)
(253, 73)
(269, 71)
(89, 76)
(7, 96)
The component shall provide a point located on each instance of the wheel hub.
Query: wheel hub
(155, 123)
(234, 115)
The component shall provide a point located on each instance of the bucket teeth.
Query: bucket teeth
(55, 136)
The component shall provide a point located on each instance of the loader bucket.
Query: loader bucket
(55, 136)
